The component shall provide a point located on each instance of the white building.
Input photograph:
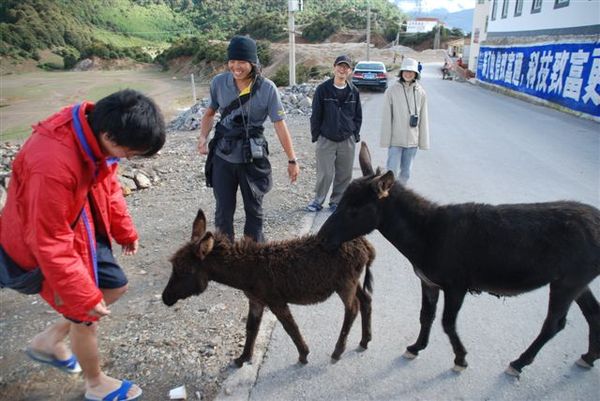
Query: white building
(421, 25)
(543, 17)
(478, 32)
(547, 49)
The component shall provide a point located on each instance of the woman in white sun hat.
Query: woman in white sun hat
(405, 126)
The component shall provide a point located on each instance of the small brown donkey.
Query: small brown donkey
(274, 274)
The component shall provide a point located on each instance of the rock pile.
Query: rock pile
(8, 152)
(189, 120)
(297, 100)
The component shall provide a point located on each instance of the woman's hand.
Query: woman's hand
(202, 145)
(293, 171)
(206, 125)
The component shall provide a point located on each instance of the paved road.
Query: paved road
(486, 147)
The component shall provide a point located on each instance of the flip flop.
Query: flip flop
(70, 365)
(119, 394)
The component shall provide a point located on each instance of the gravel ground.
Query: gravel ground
(157, 347)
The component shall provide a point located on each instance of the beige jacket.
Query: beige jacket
(395, 127)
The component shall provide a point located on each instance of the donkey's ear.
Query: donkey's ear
(383, 184)
(364, 158)
(205, 246)
(199, 226)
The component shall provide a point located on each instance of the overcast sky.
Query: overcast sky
(426, 5)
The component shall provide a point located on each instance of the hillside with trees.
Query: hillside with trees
(142, 29)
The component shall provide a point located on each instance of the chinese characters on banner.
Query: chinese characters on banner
(563, 73)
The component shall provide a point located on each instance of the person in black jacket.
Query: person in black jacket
(335, 127)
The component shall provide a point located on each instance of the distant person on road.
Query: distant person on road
(335, 127)
(419, 67)
(238, 152)
(404, 121)
(64, 208)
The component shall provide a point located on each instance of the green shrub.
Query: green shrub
(269, 26)
(303, 74)
(265, 54)
(69, 60)
(50, 66)
(320, 29)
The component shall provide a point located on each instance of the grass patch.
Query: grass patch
(120, 40)
(97, 93)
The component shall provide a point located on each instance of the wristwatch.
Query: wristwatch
(293, 161)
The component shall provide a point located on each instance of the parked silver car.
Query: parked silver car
(370, 74)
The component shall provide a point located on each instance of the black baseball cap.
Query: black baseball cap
(343, 59)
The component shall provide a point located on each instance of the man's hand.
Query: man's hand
(130, 249)
(100, 310)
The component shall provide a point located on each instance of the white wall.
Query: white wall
(578, 13)
(479, 16)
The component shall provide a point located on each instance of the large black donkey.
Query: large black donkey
(472, 247)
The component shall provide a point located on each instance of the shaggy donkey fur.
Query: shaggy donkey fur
(503, 250)
(299, 271)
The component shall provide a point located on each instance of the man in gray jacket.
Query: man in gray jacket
(335, 127)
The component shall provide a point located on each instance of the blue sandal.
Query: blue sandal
(70, 365)
(119, 394)
(313, 207)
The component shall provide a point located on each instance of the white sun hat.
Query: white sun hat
(410, 64)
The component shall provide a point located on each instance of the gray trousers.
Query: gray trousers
(334, 164)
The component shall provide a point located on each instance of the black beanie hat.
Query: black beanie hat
(242, 48)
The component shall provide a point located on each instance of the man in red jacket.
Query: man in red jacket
(64, 207)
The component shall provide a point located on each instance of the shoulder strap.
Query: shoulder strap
(241, 100)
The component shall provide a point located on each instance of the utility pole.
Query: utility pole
(368, 28)
(436, 38)
(293, 6)
(193, 89)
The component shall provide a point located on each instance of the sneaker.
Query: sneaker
(313, 207)
(332, 207)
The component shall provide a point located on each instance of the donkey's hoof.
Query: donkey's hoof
(239, 362)
(458, 368)
(582, 363)
(409, 355)
(512, 371)
(364, 345)
(303, 360)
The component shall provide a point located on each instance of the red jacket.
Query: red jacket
(42, 223)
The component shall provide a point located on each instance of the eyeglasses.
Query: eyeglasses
(343, 66)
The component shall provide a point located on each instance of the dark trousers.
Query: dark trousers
(254, 180)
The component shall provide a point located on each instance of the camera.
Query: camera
(414, 120)
(257, 150)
